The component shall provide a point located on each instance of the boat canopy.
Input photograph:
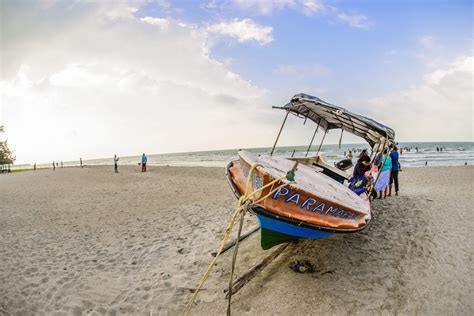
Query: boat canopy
(330, 116)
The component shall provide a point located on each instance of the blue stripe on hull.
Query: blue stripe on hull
(289, 229)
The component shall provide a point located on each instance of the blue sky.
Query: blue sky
(96, 78)
(361, 62)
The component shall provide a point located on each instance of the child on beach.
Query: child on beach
(116, 159)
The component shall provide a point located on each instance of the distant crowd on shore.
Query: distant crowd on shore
(142, 163)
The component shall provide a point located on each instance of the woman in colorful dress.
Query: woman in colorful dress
(384, 177)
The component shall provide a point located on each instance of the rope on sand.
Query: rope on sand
(244, 203)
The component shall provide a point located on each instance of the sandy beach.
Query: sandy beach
(88, 241)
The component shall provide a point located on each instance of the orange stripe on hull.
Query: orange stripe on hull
(294, 203)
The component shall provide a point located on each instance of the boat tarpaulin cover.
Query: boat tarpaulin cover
(330, 116)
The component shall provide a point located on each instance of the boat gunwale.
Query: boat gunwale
(265, 169)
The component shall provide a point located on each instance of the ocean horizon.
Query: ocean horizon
(430, 153)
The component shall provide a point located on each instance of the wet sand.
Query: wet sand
(80, 241)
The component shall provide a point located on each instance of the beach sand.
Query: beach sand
(88, 241)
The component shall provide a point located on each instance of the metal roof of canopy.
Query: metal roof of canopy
(329, 116)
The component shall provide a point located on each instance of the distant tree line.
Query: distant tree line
(6, 154)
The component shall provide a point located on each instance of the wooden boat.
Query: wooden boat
(318, 202)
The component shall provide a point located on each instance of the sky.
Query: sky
(94, 79)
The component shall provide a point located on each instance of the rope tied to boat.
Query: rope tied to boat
(244, 204)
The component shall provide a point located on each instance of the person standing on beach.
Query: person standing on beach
(383, 180)
(144, 161)
(54, 166)
(116, 159)
(80, 161)
(395, 168)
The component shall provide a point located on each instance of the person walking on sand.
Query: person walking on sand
(395, 168)
(116, 159)
(144, 161)
(80, 161)
(54, 166)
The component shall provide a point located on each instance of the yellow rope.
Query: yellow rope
(245, 197)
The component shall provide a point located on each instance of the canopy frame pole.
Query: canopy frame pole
(312, 139)
(378, 151)
(281, 128)
(340, 138)
(322, 140)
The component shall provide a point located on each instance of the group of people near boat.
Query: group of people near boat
(386, 164)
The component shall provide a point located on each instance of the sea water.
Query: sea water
(413, 155)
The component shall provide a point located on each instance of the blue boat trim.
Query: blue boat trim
(289, 229)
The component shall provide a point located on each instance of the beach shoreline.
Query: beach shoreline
(86, 240)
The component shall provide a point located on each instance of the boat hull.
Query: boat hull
(282, 219)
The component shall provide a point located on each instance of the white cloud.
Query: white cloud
(210, 5)
(79, 84)
(120, 10)
(310, 7)
(77, 76)
(439, 108)
(243, 30)
(161, 23)
(265, 7)
(306, 7)
(355, 20)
